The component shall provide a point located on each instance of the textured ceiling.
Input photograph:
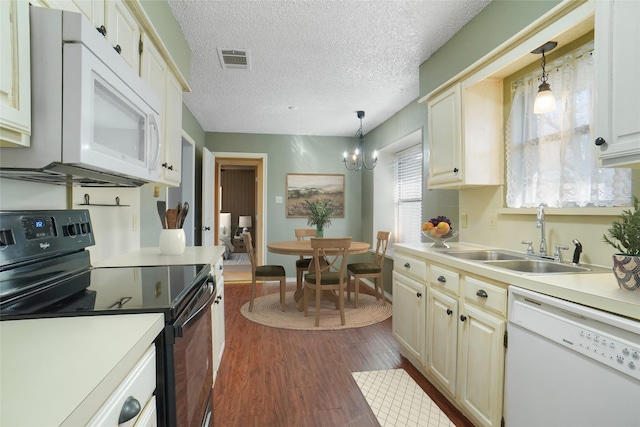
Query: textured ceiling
(313, 63)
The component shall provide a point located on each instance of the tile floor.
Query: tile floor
(396, 400)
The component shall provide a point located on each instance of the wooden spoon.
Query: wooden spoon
(171, 218)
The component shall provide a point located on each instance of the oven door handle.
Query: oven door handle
(179, 328)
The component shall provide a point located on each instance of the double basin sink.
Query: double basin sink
(519, 262)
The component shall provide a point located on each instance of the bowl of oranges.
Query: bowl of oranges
(438, 230)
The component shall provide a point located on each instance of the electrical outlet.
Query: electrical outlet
(493, 222)
(463, 220)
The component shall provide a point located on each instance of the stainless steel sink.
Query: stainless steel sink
(486, 255)
(534, 266)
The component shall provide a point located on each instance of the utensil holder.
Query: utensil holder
(172, 241)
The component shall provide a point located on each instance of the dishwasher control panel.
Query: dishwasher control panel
(604, 337)
(620, 355)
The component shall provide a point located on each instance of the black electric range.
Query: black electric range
(45, 271)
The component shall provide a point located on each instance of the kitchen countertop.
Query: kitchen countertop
(597, 290)
(60, 371)
(152, 256)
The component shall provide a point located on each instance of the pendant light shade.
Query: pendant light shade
(545, 101)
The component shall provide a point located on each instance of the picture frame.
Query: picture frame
(308, 186)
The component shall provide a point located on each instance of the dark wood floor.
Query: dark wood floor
(275, 377)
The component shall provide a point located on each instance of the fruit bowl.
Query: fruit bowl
(440, 241)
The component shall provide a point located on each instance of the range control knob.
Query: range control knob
(71, 230)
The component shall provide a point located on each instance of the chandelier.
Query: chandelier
(355, 160)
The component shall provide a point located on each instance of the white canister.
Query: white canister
(172, 241)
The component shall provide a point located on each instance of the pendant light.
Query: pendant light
(356, 161)
(545, 101)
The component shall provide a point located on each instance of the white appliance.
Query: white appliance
(94, 120)
(569, 365)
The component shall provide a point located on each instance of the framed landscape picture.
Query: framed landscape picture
(307, 186)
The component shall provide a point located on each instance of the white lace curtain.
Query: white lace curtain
(551, 158)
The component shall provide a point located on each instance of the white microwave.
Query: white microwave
(94, 120)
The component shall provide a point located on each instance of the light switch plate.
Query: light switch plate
(463, 220)
(278, 199)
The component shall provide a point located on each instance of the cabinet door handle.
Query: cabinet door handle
(407, 265)
(118, 49)
(130, 409)
(206, 228)
(463, 317)
(481, 293)
(102, 30)
(442, 279)
(449, 312)
(418, 294)
(455, 170)
(165, 164)
(600, 141)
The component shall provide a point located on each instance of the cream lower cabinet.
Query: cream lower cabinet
(464, 330)
(409, 298)
(217, 319)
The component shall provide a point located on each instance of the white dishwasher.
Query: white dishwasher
(570, 365)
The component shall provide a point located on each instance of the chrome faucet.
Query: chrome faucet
(540, 225)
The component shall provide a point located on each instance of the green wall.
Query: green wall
(495, 24)
(295, 154)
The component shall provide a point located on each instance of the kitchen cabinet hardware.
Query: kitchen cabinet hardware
(130, 409)
(102, 30)
(449, 312)
(118, 49)
(206, 228)
(456, 170)
(88, 203)
(482, 293)
(600, 141)
(419, 295)
(407, 265)
(463, 317)
(442, 279)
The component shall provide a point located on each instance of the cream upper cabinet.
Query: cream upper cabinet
(465, 135)
(123, 32)
(15, 74)
(154, 71)
(445, 138)
(409, 298)
(92, 9)
(617, 123)
(172, 164)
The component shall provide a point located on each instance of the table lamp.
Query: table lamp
(244, 222)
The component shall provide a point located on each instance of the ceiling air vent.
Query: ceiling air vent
(233, 58)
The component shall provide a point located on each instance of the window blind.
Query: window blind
(408, 194)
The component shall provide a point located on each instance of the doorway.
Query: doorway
(239, 183)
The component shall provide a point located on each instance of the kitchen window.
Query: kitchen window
(397, 198)
(551, 158)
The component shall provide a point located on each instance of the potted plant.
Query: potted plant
(624, 235)
(320, 213)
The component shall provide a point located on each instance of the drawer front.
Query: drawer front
(410, 266)
(486, 295)
(218, 269)
(139, 384)
(148, 417)
(444, 279)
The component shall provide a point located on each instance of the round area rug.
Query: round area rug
(266, 311)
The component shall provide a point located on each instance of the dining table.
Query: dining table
(303, 248)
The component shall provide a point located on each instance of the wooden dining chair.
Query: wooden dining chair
(330, 262)
(302, 264)
(366, 270)
(264, 273)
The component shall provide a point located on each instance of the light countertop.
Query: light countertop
(597, 290)
(60, 371)
(152, 256)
